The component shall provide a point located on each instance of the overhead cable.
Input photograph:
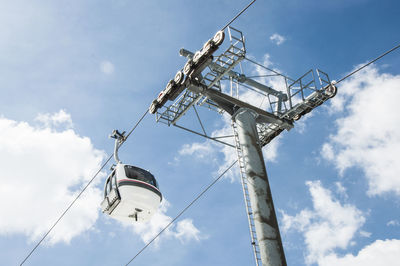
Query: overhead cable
(81, 192)
(232, 20)
(187, 207)
(135, 126)
(376, 59)
(66, 210)
(215, 180)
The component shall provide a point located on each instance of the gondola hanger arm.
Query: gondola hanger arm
(119, 139)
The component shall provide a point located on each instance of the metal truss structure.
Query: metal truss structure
(281, 106)
(276, 101)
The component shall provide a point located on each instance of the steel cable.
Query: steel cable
(215, 180)
(81, 192)
(187, 207)
(208, 187)
(232, 20)
(101, 168)
(376, 59)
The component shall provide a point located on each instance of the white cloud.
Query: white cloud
(380, 252)
(229, 153)
(341, 190)
(368, 134)
(199, 150)
(43, 169)
(330, 225)
(276, 82)
(270, 151)
(365, 234)
(212, 150)
(327, 151)
(184, 230)
(61, 118)
(107, 67)
(301, 125)
(277, 38)
(393, 223)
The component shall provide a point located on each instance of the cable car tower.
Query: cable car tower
(202, 82)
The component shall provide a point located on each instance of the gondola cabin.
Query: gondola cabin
(131, 192)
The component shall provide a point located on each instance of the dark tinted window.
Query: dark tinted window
(140, 174)
(109, 183)
(107, 187)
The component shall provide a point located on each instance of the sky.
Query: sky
(72, 71)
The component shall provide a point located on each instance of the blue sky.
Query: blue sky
(71, 72)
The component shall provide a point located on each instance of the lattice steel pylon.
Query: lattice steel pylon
(262, 105)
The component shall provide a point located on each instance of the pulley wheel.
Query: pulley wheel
(296, 117)
(196, 57)
(331, 91)
(219, 38)
(188, 67)
(169, 86)
(178, 77)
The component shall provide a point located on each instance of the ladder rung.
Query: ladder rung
(245, 189)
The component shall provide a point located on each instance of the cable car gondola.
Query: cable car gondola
(130, 191)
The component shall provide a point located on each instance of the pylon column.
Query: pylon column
(265, 221)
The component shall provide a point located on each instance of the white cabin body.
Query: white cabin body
(131, 192)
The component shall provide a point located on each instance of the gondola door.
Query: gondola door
(111, 194)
